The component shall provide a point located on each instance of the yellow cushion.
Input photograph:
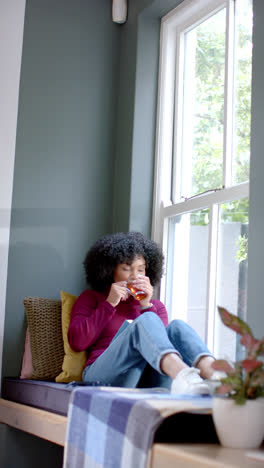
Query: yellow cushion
(73, 362)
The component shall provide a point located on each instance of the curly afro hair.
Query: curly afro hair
(113, 249)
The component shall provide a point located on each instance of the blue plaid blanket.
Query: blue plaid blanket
(115, 427)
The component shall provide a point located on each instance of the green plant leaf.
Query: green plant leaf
(235, 381)
(250, 343)
(224, 389)
(251, 364)
(261, 347)
(257, 379)
(259, 392)
(234, 322)
(239, 399)
(223, 365)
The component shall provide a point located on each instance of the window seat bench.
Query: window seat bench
(41, 423)
(40, 408)
(37, 407)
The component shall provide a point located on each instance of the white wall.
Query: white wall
(11, 38)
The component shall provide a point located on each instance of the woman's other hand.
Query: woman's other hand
(118, 292)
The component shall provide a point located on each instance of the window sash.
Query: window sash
(207, 200)
(169, 123)
(212, 281)
(188, 12)
(167, 182)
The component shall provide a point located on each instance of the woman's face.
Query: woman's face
(125, 272)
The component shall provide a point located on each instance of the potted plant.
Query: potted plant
(238, 406)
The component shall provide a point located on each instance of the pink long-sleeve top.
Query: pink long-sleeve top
(94, 322)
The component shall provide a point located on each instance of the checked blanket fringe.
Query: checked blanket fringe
(110, 427)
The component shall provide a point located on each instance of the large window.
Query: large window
(202, 163)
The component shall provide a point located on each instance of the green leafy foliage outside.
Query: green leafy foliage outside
(242, 253)
(207, 157)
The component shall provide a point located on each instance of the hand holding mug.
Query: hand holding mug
(118, 292)
(141, 289)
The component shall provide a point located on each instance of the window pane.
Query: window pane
(203, 106)
(242, 107)
(187, 269)
(232, 272)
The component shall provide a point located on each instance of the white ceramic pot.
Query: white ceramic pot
(239, 426)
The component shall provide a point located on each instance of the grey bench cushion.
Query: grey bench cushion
(49, 396)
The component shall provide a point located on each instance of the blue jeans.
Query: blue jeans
(133, 357)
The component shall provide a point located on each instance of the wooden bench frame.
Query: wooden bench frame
(41, 423)
(52, 427)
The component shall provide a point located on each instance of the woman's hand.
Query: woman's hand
(143, 284)
(118, 292)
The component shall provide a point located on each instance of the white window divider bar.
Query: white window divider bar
(207, 199)
(229, 95)
(211, 275)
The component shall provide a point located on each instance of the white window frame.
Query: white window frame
(167, 204)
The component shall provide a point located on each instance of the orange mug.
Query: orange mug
(136, 293)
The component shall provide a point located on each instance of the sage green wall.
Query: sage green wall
(63, 177)
(62, 196)
(21, 450)
(256, 218)
(135, 138)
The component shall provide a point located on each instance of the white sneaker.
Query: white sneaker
(189, 382)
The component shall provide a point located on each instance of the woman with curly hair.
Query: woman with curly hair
(127, 335)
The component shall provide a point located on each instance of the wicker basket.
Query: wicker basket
(44, 322)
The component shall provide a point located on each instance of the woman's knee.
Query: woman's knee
(178, 328)
(148, 318)
(178, 324)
